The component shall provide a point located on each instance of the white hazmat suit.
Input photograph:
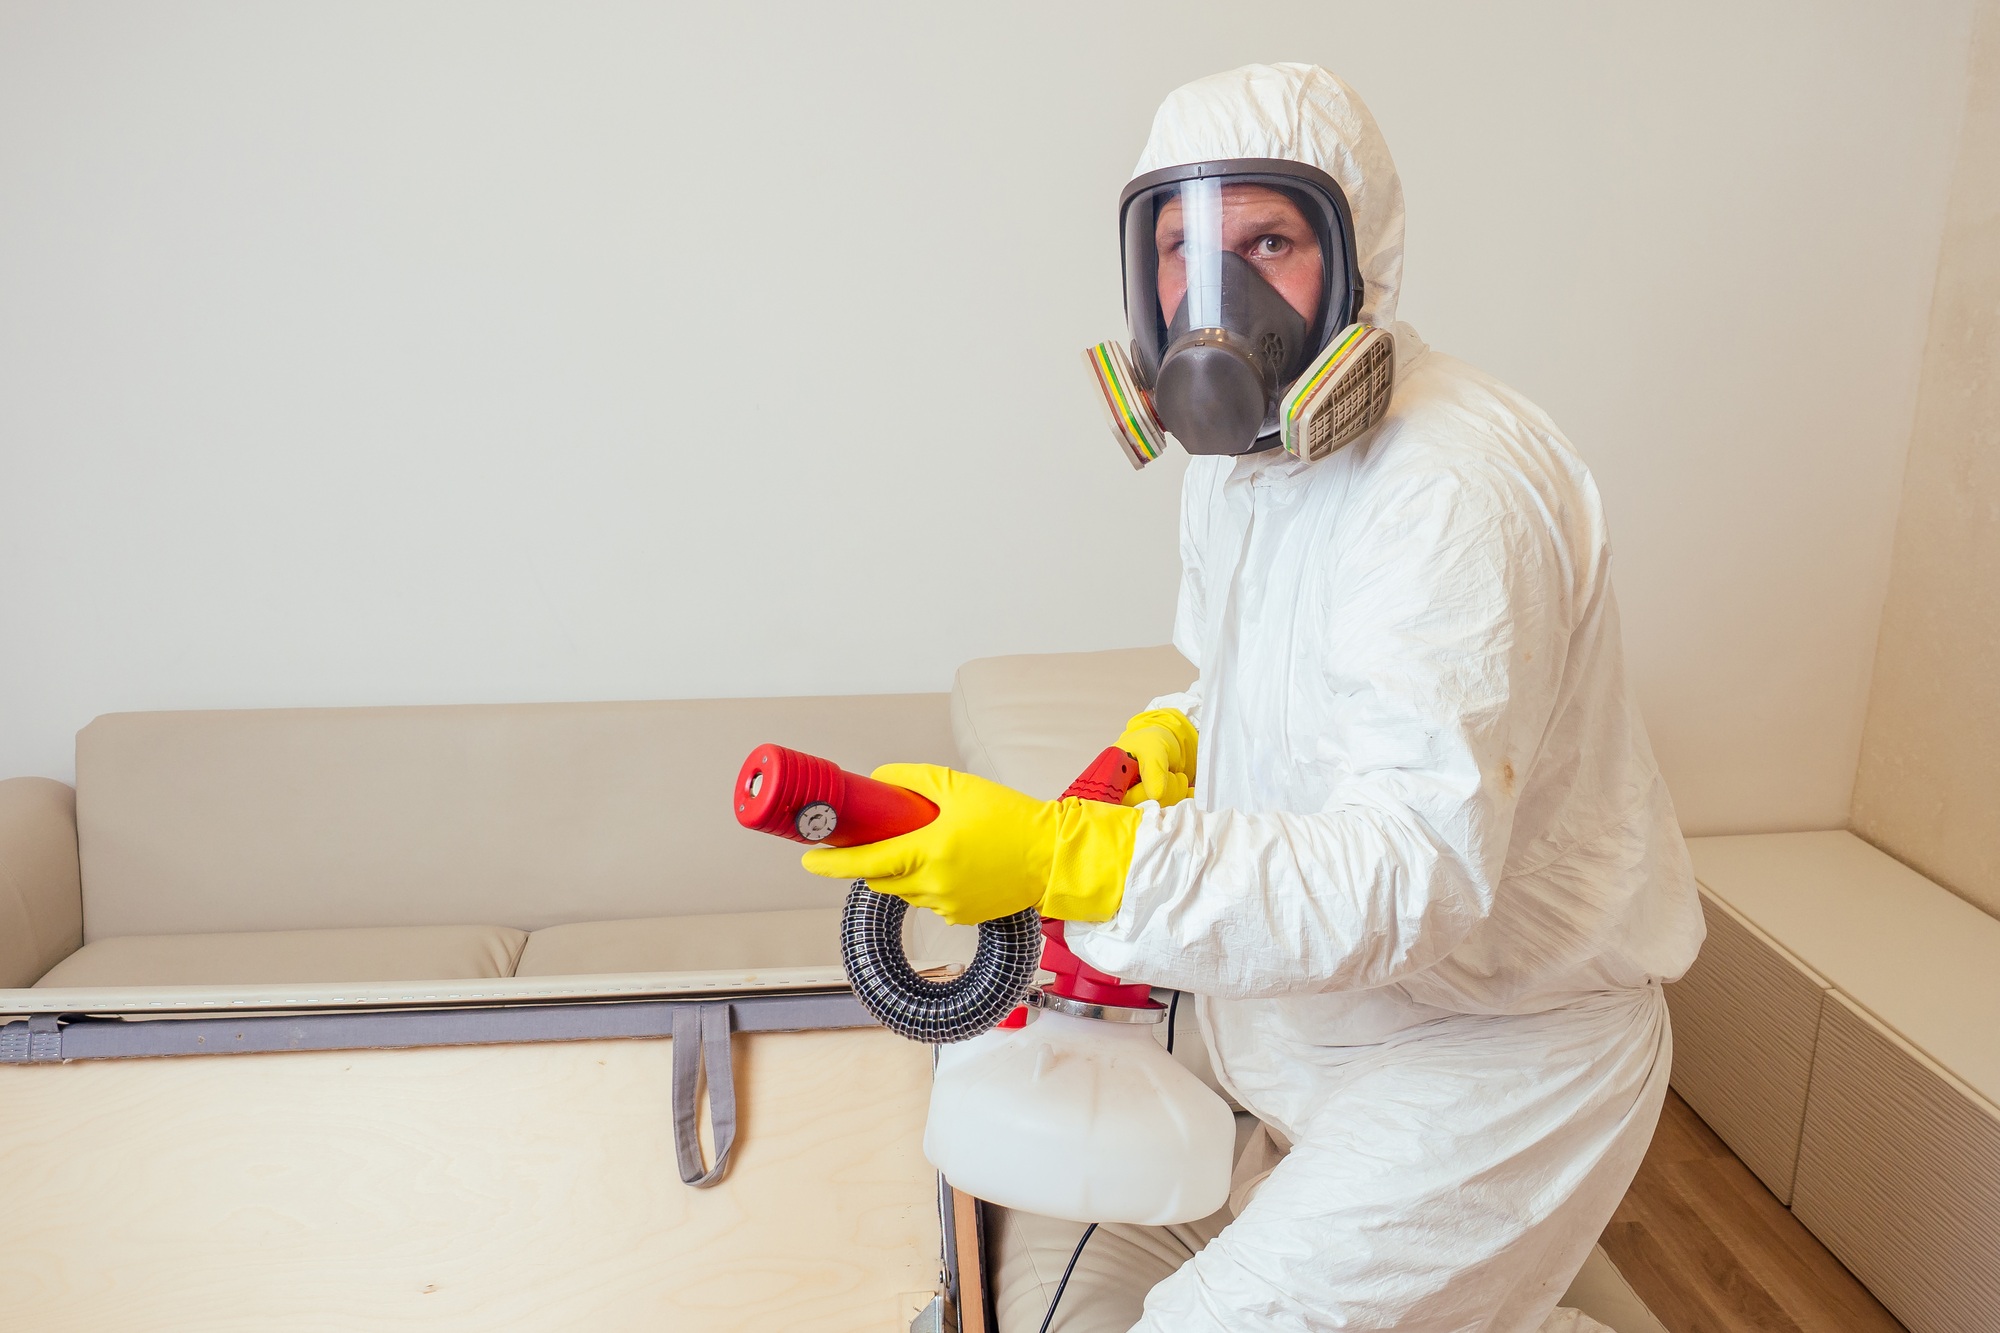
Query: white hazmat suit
(1430, 880)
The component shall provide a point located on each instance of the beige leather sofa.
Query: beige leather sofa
(225, 850)
(449, 918)
(1841, 1032)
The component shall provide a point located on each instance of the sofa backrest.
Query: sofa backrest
(1034, 720)
(522, 815)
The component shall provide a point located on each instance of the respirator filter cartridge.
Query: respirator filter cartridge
(1342, 396)
(1134, 423)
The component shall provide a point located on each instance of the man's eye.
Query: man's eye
(1269, 247)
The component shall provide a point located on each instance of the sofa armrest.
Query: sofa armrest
(41, 889)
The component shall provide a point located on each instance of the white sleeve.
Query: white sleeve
(1447, 625)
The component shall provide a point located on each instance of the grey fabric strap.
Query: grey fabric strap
(46, 1038)
(701, 1045)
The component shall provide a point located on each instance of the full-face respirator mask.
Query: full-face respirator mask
(1241, 292)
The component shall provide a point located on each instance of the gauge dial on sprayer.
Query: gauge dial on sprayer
(816, 822)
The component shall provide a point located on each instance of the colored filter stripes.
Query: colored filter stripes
(1138, 430)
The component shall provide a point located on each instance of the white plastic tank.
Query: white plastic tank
(1079, 1118)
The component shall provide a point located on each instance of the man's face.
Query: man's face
(1265, 227)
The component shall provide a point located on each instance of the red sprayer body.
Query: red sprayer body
(1108, 778)
(813, 800)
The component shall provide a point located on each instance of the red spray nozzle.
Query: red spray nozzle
(813, 800)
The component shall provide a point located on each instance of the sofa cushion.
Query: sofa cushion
(393, 953)
(725, 942)
(526, 814)
(1034, 721)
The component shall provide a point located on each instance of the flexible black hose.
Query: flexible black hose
(974, 1001)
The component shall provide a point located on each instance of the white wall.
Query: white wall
(382, 352)
(1928, 787)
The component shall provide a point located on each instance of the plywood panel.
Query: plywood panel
(1899, 1173)
(1744, 1019)
(971, 1251)
(497, 1189)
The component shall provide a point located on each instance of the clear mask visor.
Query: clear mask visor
(1200, 250)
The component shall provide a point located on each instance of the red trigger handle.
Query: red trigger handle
(1108, 778)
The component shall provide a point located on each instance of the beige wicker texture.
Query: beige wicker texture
(1899, 1173)
(1745, 1017)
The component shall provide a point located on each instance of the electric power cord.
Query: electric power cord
(1068, 1268)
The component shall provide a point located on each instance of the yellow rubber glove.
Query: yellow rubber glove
(992, 852)
(1164, 743)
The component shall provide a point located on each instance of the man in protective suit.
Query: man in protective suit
(1404, 838)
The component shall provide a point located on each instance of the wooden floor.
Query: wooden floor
(1712, 1251)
